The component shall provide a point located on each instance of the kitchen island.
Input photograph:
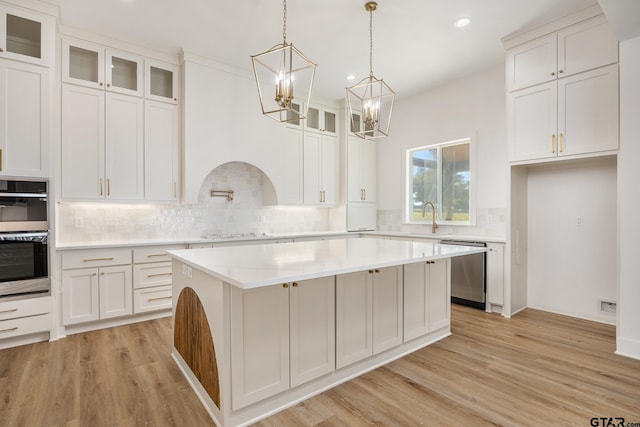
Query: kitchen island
(259, 328)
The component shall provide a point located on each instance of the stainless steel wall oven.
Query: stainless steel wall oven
(24, 236)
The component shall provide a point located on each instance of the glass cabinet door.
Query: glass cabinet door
(329, 120)
(313, 119)
(24, 35)
(162, 82)
(123, 73)
(293, 120)
(83, 63)
(321, 119)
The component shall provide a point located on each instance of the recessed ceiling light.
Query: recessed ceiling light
(461, 22)
(351, 77)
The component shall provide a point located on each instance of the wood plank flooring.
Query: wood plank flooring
(535, 369)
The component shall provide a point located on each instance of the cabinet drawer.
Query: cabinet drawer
(154, 253)
(150, 299)
(25, 325)
(22, 308)
(152, 274)
(96, 258)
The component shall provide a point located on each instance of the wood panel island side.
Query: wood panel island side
(259, 328)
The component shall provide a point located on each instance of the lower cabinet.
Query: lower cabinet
(24, 317)
(282, 336)
(426, 297)
(97, 293)
(495, 274)
(368, 313)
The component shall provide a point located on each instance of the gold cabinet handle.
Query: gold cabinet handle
(9, 329)
(175, 194)
(0, 154)
(560, 142)
(553, 143)
(158, 298)
(101, 193)
(97, 259)
(159, 274)
(365, 194)
(155, 255)
(11, 310)
(108, 187)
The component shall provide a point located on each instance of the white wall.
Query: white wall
(570, 266)
(472, 107)
(223, 123)
(628, 331)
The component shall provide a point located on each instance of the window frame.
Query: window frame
(408, 199)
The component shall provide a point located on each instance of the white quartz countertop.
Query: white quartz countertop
(260, 265)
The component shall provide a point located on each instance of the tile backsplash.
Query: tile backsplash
(94, 222)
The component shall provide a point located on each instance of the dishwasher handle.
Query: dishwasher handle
(464, 243)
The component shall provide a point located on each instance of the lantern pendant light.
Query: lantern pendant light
(370, 99)
(277, 71)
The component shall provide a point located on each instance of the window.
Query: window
(440, 174)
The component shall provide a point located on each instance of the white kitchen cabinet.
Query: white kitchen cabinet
(25, 123)
(312, 329)
(361, 170)
(102, 145)
(495, 273)
(24, 317)
(286, 337)
(260, 350)
(26, 35)
(361, 216)
(92, 65)
(573, 115)
(96, 293)
(162, 81)
(426, 298)
(580, 47)
(368, 313)
(387, 308)
(152, 278)
(161, 151)
(96, 285)
(320, 167)
(291, 191)
(321, 119)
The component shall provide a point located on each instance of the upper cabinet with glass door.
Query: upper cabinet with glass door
(92, 65)
(321, 119)
(26, 36)
(161, 81)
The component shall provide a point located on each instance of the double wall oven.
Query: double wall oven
(24, 235)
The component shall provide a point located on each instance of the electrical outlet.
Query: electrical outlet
(608, 306)
(78, 222)
(187, 271)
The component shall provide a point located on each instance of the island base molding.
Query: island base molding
(226, 417)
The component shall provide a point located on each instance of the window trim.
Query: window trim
(408, 196)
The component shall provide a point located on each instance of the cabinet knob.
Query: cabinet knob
(553, 73)
(285, 285)
(100, 83)
(1, 49)
(370, 271)
(108, 84)
(295, 284)
(376, 270)
(560, 71)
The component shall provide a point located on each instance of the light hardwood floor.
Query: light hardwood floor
(535, 369)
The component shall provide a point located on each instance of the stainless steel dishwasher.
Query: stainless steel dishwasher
(468, 276)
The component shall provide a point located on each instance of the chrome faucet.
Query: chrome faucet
(434, 226)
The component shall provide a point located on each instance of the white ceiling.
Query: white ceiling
(415, 44)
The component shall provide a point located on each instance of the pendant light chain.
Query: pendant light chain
(370, 42)
(284, 22)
